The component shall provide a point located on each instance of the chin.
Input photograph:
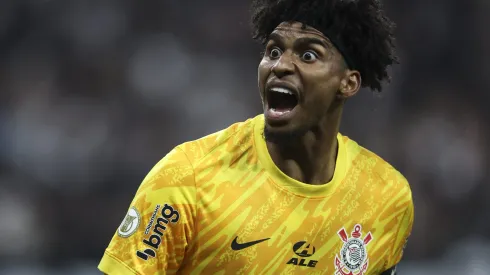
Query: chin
(284, 135)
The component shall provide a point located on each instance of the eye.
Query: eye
(275, 53)
(309, 56)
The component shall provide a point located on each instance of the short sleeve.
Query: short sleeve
(157, 230)
(405, 229)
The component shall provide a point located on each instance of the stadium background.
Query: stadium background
(94, 92)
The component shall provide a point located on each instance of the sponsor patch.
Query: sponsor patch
(152, 220)
(130, 223)
(167, 215)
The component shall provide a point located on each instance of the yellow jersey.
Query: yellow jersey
(219, 205)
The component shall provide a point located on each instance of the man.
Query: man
(283, 192)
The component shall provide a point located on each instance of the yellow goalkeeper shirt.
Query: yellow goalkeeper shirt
(219, 205)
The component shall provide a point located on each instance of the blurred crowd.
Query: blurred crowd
(94, 92)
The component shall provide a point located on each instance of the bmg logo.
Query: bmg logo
(154, 241)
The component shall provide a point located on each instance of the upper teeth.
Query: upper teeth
(282, 90)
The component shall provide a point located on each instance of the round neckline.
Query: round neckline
(283, 181)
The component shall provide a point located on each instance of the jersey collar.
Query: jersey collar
(284, 181)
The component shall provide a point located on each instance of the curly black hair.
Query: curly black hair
(358, 28)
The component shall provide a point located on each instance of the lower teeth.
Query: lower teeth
(279, 111)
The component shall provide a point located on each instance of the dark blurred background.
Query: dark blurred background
(94, 92)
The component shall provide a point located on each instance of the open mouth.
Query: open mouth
(281, 100)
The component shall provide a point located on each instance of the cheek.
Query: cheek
(324, 90)
(263, 72)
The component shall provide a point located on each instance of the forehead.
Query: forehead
(297, 30)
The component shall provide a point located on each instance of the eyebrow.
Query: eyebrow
(304, 40)
(312, 40)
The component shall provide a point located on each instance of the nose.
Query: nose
(284, 66)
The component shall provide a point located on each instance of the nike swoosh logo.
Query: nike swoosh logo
(239, 246)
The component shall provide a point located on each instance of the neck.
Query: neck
(312, 159)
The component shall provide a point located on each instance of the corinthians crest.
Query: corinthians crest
(353, 258)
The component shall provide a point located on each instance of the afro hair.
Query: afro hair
(358, 28)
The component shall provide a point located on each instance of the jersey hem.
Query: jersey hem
(111, 265)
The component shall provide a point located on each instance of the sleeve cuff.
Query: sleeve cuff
(112, 266)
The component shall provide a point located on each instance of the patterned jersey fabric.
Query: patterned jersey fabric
(219, 205)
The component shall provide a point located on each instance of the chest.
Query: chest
(265, 230)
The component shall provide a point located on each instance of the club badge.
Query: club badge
(353, 258)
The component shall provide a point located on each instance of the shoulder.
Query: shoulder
(392, 193)
(236, 137)
(375, 165)
(178, 167)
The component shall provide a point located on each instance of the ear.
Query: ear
(350, 84)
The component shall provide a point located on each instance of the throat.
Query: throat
(312, 157)
(306, 166)
(321, 175)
